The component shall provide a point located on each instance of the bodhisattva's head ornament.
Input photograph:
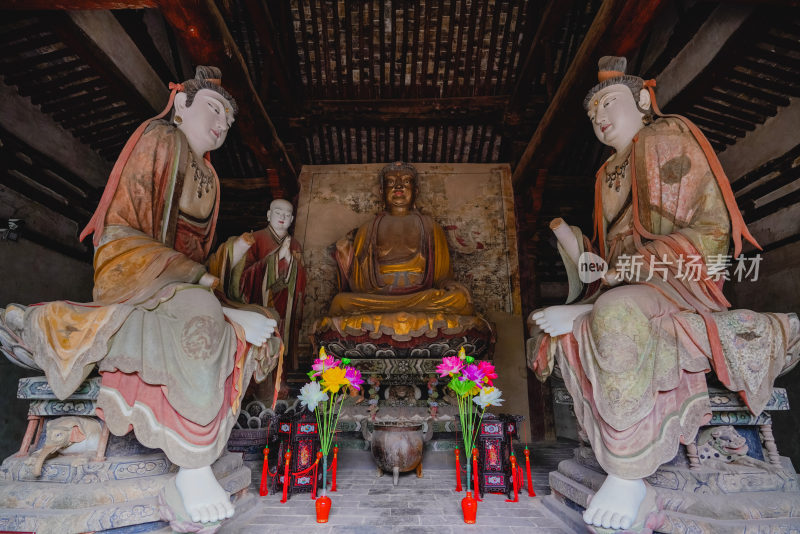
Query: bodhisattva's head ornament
(611, 71)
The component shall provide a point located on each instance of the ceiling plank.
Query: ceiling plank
(203, 32)
(618, 28)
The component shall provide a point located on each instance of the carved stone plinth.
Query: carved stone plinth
(707, 488)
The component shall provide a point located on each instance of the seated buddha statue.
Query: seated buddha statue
(394, 272)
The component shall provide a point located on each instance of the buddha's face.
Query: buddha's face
(280, 216)
(206, 122)
(615, 117)
(399, 190)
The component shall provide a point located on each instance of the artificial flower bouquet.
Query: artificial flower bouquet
(331, 381)
(471, 381)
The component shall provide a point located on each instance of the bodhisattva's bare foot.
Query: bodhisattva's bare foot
(616, 503)
(203, 498)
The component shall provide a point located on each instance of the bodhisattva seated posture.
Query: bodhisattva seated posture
(265, 268)
(634, 357)
(394, 272)
(174, 362)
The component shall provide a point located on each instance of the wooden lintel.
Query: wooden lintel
(474, 110)
(618, 28)
(203, 32)
(75, 5)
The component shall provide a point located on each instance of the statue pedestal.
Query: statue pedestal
(753, 493)
(79, 493)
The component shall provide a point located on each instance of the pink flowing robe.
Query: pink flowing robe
(635, 364)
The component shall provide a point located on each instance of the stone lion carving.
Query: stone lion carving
(722, 448)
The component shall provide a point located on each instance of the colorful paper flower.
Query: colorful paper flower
(311, 395)
(333, 379)
(460, 386)
(472, 372)
(451, 365)
(321, 365)
(488, 396)
(353, 376)
(488, 371)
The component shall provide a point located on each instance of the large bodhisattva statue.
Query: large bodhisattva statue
(634, 353)
(395, 272)
(174, 362)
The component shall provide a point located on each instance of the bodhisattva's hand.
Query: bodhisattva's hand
(208, 280)
(241, 246)
(557, 320)
(257, 328)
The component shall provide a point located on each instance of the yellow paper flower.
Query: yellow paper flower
(334, 379)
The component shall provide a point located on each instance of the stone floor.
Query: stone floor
(368, 504)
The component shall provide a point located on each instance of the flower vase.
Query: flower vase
(469, 506)
(323, 503)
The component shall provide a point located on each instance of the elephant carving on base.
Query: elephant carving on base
(71, 435)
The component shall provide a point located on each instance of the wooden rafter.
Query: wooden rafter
(551, 19)
(618, 28)
(204, 34)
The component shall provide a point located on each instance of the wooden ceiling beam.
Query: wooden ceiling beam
(618, 29)
(203, 32)
(472, 110)
(102, 42)
(74, 5)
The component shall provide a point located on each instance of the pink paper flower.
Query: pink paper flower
(353, 376)
(323, 365)
(488, 372)
(451, 365)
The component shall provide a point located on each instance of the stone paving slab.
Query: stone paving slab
(367, 504)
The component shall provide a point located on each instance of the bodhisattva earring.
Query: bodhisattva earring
(178, 119)
(647, 120)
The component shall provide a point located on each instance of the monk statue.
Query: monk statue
(394, 272)
(174, 362)
(265, 268)
(635, 350)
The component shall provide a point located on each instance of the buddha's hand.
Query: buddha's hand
(453, 285)
(557, 320)
(241, 246)
(257, 328)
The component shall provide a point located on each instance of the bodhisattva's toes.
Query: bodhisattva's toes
(615, 520)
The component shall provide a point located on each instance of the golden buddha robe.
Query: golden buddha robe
(406, 299)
